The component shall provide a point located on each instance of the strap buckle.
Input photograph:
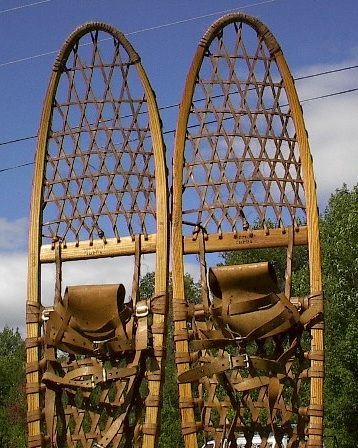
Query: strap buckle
(231, 366)
(97, 445)
(141, 309)
(246, 360)
(103, 380)
(104, 374)
(45, 315)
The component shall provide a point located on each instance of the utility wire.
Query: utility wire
(191, 19)
(329, 95)
(172, 131)
(16, 140)
(170, 106)
(328, 72)
(131, 33)
(15, 167)
(28, 5)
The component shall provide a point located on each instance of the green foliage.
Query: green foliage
(12, 397)
(192, 289)
(340, 261)
(146, 285)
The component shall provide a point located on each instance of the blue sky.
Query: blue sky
(315, 35)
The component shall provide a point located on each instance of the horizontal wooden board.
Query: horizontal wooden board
(85, 250)
(252, 239)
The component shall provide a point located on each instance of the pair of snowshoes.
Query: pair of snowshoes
(249, 356)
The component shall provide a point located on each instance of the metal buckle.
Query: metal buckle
(104, 377)
(104, 374)
(93, 384)
(231, 366)
(97, 445)
(45, 315)
(246, 360)
(141, 310)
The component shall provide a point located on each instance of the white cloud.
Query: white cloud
(13, 269)
(331, 124)
(13, 234)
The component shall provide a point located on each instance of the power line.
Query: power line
(329, 95)
(131, 33)
(327, 72)
(170, 106)
(28, 5)
(15, 167)
(15, 61)
(205, 16)
(16, 140)
(171, 131)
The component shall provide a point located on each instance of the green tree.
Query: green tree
(192, 289)
(12, 396)
(146, 285)
(340, 262)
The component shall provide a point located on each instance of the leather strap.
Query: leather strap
(141, 334)
(33, 416)
(182, 310)
(32, 388)
(191, 428)
(222, 364)
(98, 375)
(289, 256)
(269, 328)
(50, 400)
(203, 269)
(58, 263)
(33, 312)
(311, 316)
(254, 304)
(315, 355)
(158, 303)
(37, 441)
(33, 342)
(252, 383)
(315, 410)
(149, 429)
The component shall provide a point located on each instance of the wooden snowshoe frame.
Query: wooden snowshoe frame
(243, 179)
(99, 191)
